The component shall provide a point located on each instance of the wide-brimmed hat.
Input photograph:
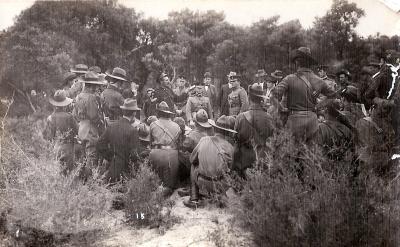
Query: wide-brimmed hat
(144, 132)
(207, 75)
(130, 104)
(225, 123)
(163, 107)
(68, 77)
(92, 78)
(201, 118)
(80, 69)
(260, 73)
(95, 69)
(345, 72)
(303, 52)
(256, 89)
(277, 74)
(117, 73)
(60, 99)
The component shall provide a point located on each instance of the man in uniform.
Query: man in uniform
(119, 143)
(302, 89)
(254, 127)
(111, 97)
(87, 112)
(238, 101)
(164, 135)
(211, 159)
(80, 70)
(61, 127)
(201, 128)
(197, 100)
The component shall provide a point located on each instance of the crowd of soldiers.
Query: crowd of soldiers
(197, 133)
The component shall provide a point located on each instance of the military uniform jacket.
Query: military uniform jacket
(195, 103)
(111, 100)
(61, 126)
(212, 156)
(86, 111)
(253, 127)
(238, 101)
(164, 132)
(118, 145)
(299, 95)
(192, 139)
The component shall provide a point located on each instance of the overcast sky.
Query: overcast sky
(379, 17)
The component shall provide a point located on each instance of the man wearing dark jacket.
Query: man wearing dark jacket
(226, 89)
(254, 127)
(118, 145)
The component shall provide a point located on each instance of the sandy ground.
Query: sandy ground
(208, 226)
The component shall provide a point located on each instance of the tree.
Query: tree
(336, 28)
(49, 37)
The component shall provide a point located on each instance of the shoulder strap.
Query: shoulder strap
(308, 84)
(306, 81)
(166, 131)
(369, 119)
(248, 117)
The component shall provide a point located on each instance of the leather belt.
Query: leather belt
(211, 179)
(292, 112)
(157, 146)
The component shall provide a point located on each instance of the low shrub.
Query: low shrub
(41, 203)
(298, 197)
(145, 204)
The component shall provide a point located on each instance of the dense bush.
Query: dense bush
(297, 197)
(38, 199)
(145, 204)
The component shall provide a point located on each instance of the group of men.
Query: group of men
(200, 133)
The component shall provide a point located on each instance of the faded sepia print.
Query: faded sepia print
(200, 123)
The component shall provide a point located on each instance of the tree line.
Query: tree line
(48, 38)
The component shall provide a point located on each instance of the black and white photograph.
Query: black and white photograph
(200, 123)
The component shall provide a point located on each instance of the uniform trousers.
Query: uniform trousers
(302, 124)
(165, 163)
